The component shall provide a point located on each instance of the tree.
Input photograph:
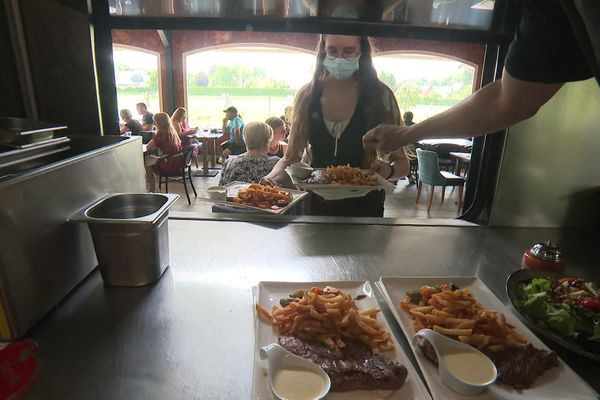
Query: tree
(408, 95)
(388, 78)
(153, 80)
(224, 76)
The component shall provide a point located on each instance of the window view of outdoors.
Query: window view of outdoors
(259, 81)
(262, 81)
(136, 75)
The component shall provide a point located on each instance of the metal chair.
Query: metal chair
(186, 155)
(430, 174)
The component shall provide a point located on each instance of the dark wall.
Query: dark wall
(11, 101)
(60, 52)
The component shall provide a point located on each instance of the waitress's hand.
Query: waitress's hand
(388, 138)
(268, 181)
(280, 180)
(382, 168)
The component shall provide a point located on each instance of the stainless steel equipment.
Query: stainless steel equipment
(131, 237)
(19, 132)
(42, 257)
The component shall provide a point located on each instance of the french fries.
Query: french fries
(263, 196)
(346, 175)
(455, 313)
(329, 316)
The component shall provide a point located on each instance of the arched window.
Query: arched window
(424, 83)
(137, 75)
(259, 80)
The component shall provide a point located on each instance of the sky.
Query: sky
(293, 66)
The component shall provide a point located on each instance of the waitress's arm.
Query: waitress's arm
(292, 155)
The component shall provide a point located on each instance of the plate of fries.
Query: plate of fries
(454, 313)
(344, 177)
(262, 197)
(355, 310)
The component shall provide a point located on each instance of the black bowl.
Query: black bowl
(512, 289)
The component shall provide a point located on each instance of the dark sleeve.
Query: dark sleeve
(133, 126)
(148, 119)
(545, 48)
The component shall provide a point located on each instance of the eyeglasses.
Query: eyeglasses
(349, 53)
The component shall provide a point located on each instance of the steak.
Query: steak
(517, 366)
(354, 367)
(520, 366)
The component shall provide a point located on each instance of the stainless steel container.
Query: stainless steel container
(42, 256)
(131, 237)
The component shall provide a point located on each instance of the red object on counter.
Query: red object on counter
(18, 366)
(544, 256)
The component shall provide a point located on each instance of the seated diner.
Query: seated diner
(255, 162)
(169, 143)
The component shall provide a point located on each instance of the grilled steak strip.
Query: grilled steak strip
(353, 368)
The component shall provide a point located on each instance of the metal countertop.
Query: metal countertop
(191, 335)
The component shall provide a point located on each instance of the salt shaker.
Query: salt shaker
(544, 256)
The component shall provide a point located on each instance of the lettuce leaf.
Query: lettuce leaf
(538, 285)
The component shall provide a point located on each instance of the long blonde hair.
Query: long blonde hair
(178, 115)
(380, 103)
(163, 124)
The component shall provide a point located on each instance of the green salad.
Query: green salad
(569, 307)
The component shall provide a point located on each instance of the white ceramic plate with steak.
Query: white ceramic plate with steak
(268, 294)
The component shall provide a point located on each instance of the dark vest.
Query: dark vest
(349, 149)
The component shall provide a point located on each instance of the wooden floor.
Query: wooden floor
(401, 204)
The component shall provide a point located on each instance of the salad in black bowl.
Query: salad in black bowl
(564, 309)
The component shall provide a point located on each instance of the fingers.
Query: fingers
(268, 182)
(371, 139)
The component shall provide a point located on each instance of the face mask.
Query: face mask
(340, 68)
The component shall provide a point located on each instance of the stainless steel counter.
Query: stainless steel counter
(191, 335)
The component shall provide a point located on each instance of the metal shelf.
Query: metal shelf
(302, 25)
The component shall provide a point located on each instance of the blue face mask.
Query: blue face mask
(340, 68)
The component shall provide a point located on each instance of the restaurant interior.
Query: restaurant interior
(137, 262)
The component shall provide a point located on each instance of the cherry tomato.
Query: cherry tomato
(590, 304)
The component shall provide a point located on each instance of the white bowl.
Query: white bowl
(441, 344)
(217, 193)
(301, 170)
(279, 358)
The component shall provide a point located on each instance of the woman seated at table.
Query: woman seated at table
(255, 162)
(168, 142)
(129, 124)
(332, 113)
(180, 124)
(278, 146)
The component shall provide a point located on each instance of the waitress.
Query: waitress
(342, 102)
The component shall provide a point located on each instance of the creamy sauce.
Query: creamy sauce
(298, 384)
(468, 366)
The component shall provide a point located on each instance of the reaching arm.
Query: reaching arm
(494, 107)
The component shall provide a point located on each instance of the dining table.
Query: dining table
(209, 144)
(455, 141)
(461, 158)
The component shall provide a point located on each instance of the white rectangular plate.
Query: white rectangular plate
(268, 294)
(558, 383)
(382, 183)
(234, 187)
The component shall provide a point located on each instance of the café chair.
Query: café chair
(430, 174)
(186, 155)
